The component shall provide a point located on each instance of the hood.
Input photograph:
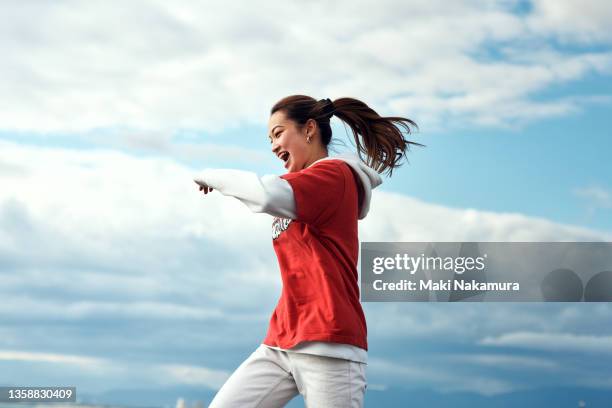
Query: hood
(370, 179)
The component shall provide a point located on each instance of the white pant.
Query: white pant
(270, 378)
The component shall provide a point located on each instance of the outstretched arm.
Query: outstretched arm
(269, 194)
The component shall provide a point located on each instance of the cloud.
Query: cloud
(166, 374)
(47, 357)
(470, 322)
(596, 197)
(437, 376)
(167, 144)
(440, 365)
(552, 342)
(501, 361)
(194, 375)
(44, 310)
(210, 66)
(82, 362)
(587, 22)
(396, 217)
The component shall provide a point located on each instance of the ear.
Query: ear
(311, 127)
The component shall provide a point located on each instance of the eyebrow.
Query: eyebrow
(272, 131)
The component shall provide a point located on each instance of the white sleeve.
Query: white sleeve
(269, 194)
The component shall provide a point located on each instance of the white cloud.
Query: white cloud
(414, 365)
(163, 144)
(82, 361)
(597, 197)
(585, 21)
(201, 65)
(466, 322)
(552, 342)
(194, 375)
(437, 376)
(164, 374)
(501, 361)
(396, 217)
(44, 309)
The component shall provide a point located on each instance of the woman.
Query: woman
(316, 344)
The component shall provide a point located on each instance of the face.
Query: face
(289, 142)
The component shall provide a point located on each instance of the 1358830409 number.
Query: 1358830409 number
(37, 394)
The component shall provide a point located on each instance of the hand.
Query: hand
(206, 189)
(202, 185)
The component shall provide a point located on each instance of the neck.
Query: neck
(318, 155)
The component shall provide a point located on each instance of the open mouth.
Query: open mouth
(284, 156)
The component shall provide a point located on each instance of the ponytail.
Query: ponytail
(378, 137)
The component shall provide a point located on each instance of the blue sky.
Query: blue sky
(114, 268)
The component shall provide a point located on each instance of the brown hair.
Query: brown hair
(381, 139)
